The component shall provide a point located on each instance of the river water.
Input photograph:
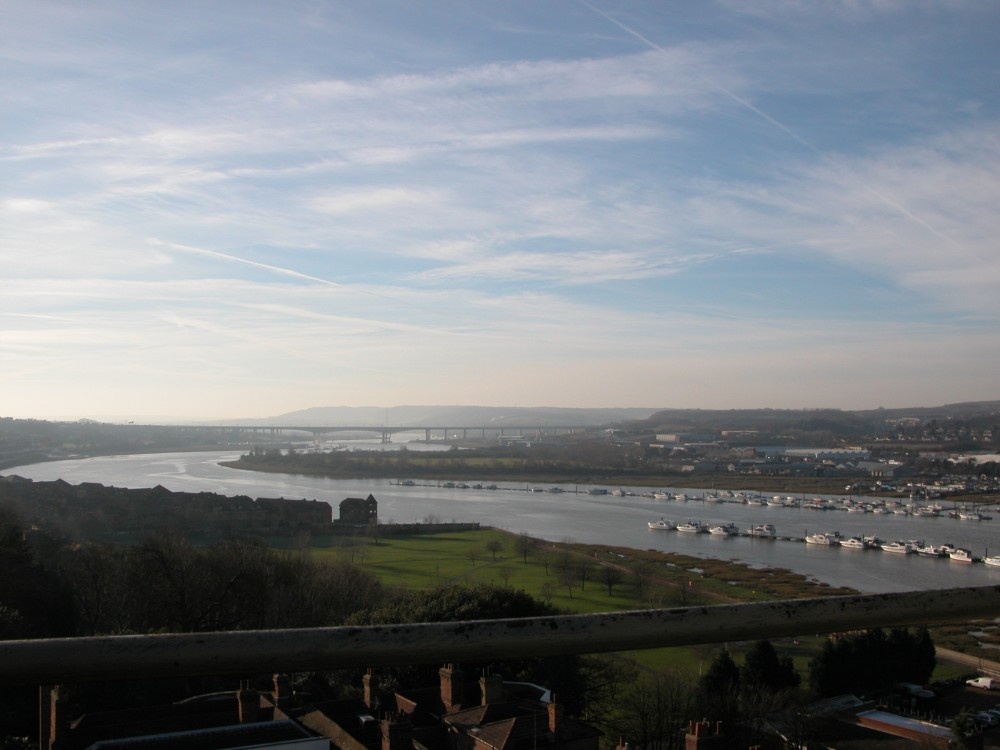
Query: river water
(575, 515)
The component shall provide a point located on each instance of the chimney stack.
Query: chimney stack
(282, 689)
(555, 715)
(491, 689)
(452, 687)
(248, 703)
(57, 731)
(703, 735)
(397, 734)
(370, 683)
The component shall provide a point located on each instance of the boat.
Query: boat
(993, 560)
(969, 515)
(691, 527)
(763, 530)
(829, 538)
(661, 496)
(728, 529)
(901, 548)
(961, 555)
(855, 542)
(662, 524)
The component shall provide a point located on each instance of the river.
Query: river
(575, 515)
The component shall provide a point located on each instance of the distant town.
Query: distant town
(948, 451)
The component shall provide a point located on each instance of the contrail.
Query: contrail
(244, 261)
(257, 264)
(784, 128)
(742, 102)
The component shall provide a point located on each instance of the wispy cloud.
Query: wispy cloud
(497, 204)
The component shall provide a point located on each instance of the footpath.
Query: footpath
(988, 666)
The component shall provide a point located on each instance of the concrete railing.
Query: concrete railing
(74, 660)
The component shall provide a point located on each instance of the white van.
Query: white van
(986, 683)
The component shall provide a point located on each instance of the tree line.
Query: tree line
(166, 584)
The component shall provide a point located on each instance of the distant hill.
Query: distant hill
(661, 420)
(452, 416)
(833, 420)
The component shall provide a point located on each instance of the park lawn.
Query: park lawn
(425, 561)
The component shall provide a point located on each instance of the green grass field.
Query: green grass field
(490, 556)
(644, 578)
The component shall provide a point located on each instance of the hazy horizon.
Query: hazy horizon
(223, 210)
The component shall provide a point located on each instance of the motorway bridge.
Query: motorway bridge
(431, 432)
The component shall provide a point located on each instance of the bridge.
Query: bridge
(445, 432)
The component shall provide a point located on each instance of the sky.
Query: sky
(214, 210)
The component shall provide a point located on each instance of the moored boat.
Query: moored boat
(763, 530)
(691, 527)
(855, 542)
(662, 524)
(960, 555)
(901, 548)
(829, 538)
(728, 529)
(993, 560)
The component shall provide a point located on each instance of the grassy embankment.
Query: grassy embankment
(648, 578)
(663, 580)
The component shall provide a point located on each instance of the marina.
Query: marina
(595, 514)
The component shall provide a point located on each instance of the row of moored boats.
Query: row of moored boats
(830, 539)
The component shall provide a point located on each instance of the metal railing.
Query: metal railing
(75, 660)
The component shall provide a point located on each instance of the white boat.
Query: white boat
(691, 527)
(901, 548)
(929, 550)
(663, 524)
(764, 530)
(855, 542)
(969, 515)
(961, 555)
(829, 538)
(661, 496)
(728, 529)
(993, 560)
(680, 496)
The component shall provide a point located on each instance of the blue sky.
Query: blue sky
(238, 209)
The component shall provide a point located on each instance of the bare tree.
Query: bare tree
(567, 577)
(524, 544)
(473, 553)
(494, 546)
(547, 591)
(611, 576)
(652, 711)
